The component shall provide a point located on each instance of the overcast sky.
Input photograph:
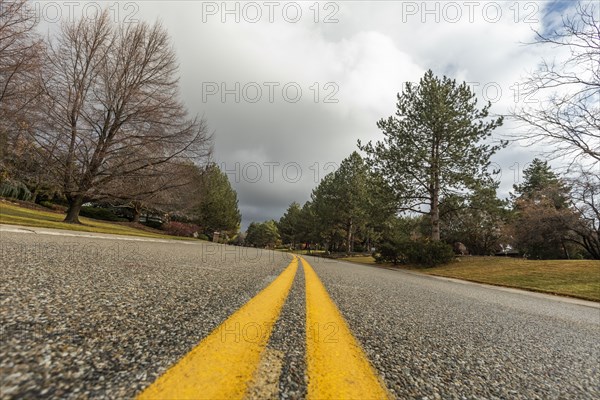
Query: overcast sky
(289, 87)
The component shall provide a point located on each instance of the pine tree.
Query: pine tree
(217, 209)
(434, 145)
(290, 224)
(539, 180)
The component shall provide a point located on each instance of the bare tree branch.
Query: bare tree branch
(113, 109)
(567, 119)
(20, 61)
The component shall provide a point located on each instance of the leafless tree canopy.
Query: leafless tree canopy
(567, 118)
(167, 188)
(20, 51)
(20, 58)
(585, 199)
(112, 107)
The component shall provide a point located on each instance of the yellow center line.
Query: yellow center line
(337, 366)
(222, 365)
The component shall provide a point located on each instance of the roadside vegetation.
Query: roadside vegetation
(13, 214)
(575, 278)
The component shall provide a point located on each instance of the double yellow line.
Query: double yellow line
(222, 364)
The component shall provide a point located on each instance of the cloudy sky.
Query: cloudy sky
(289, 87)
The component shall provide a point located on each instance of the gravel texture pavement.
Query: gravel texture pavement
(432, 338)
(85, 317)
(102, 318)
(289, 338)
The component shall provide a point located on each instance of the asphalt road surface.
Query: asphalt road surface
(98, 316)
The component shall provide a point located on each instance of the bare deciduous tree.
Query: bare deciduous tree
(567, 119)
(20, 59)
(113, 108)
(167, 187)
(585, 201)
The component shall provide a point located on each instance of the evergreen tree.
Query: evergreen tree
(341, 201)
(433, 145)
(538, 180)
(263, 234)
(290, 224)
(542, 224)
(217, 209)
(475, 220)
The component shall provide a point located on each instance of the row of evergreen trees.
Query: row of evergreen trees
(537, 220)
(430, 179)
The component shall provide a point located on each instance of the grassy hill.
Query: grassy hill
(13, 214)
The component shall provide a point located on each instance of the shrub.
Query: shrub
(424, 253)
(180, 229)
(153, 224)
(430, 254)
(104, 214)
(389, 252)
(359, 248)
(15, 190)
(47, 204)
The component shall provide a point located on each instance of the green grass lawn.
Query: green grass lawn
(576, 278)
(15, 215)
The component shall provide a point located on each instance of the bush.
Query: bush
(104, 214)
(153, 224)
(430, 254)
(47, 204)
(424, 253)
(359, 248)
(15, 190)
(389, 252)
(180, 229)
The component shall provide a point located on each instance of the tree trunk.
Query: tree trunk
(349, 237)
(75, 204)
(137, 213)
(435, 216)
(435, 191)
(566, 251)
(34, 195)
